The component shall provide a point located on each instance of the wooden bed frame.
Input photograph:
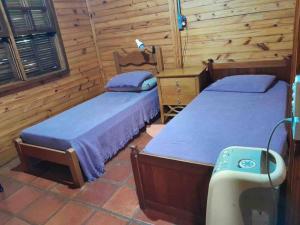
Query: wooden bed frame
(68, 157)
(179, 187)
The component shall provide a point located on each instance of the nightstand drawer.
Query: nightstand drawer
(177, 99)
(178, 86)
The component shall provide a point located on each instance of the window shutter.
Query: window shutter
(6, 72)
(23, 3)
(3, 31)
(38, 54)
(36, 2)
(21, 22)
(41, 20)
(46, 53)
(14, 3)
(28, 17)
(3, 28)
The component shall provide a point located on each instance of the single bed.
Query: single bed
(237, 119)
(172, 173)
(89, 134)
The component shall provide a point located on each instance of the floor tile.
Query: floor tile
(118, 172)
(20, 200)
(134, 222)
(110, 163)
(124, 201)
(103, 218)
(66, 191)
(16, 221)
(130, 181)
(10, 186)
(42, 209)
(18, 173)
(154, 217)
(10, 165)
(73, 213)
(154, 129)
(143, 140)
(97, 193)
(4, 217)
(21, 176)
(43, 183)
(124, 155)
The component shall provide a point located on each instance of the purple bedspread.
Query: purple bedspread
(216, 120)
(97, 128)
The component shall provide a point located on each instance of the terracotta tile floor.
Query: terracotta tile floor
(46, 198)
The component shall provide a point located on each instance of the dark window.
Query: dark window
(7, 73)
(30, 42)
(38, 54)
(29, 17)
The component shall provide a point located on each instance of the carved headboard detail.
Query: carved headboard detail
(137, 59)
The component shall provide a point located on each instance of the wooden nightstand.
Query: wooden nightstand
(177, 87)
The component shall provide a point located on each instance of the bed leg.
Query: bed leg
(137, 175)
(162, 114)
(25, 164)
(75, 168)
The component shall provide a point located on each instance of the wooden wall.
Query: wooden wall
(224, 30)
(25, 108)
(238, 30)
(118, 23)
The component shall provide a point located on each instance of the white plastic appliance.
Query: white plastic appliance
(239, 190)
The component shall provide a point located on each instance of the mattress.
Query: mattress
(97, 128)
(216, 120)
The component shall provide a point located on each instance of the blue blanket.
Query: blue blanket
(216, 120)
(97, 128)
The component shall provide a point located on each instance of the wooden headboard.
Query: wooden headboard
(280, 68)
(138, 59)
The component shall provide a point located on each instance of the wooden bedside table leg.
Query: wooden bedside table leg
(161, 107)
(162, 114)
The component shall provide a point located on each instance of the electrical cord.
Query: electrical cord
(153, 56)
(273, 188)
(286, 120)
(185, 43)
(154, 60)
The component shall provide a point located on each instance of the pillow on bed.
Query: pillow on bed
(130, 81)
(149, 84)
(243, 83)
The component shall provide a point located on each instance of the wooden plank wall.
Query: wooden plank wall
(25, 108)
(237, 30)
(118, 23)
(224, 30)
